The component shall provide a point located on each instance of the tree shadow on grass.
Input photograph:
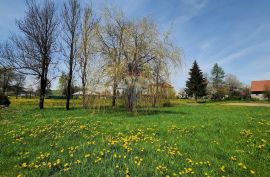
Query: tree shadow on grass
(108, 110)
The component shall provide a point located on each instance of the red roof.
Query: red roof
(259, 86)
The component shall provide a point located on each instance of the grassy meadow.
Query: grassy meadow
(187, 139)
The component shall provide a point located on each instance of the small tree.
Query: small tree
(87, 48)
(233, 86)
(217, 77)
(63, 85)
(19, 82)
(6, 77)
(196, 84)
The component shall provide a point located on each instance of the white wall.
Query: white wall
(258, 96)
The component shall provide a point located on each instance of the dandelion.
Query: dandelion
(87, 155)
(49, 164)
(24, 165)
(138, 160)
(161, 169)
(66, 167)
(222, 169)
(98, 159)
(77, 162)
(252, 172)
(127, 172)
(233, 158)
(58, 161)
(261, 146)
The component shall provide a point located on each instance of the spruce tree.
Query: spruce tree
(196, 83)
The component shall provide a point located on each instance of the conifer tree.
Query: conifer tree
(196, 84)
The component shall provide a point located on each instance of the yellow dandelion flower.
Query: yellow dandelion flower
(77, 162)
(24, 165)
(222, 168)
(252, 172)
(87, 155)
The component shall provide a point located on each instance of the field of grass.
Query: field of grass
(185, 140)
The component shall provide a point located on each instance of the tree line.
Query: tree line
(106, 48)
(217, 86)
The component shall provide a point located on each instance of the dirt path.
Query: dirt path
(248, 104)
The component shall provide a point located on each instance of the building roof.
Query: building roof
(260, 86)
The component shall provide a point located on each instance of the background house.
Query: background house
(259, 89)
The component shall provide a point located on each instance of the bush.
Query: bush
(167, 104)
(201, 101)
(4, 101)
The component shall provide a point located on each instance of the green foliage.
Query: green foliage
(196, 84)
(62, 85)
(4, 101)
(217, 76)
(167, 104)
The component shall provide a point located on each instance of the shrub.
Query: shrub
(4, 101)
(201, 101)
(167, 104)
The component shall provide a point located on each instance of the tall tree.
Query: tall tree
(196, 84)
(233, 85)
(217, 78)
(217, 75)
(112, 36)
(62, 85)
(71, 24)
(32, 52)
(143, 47)
(87, 47)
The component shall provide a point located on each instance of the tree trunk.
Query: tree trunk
(68, 91)
(114, 94)
(43, 83)
(130, 98)
(84, 93)
(156, 92)
(42, 93)
(17, 92)
(71, 58)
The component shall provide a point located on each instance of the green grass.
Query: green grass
(184, 140)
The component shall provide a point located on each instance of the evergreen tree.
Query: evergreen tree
(196, 84)
(218, 75)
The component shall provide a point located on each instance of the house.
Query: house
(259, 88)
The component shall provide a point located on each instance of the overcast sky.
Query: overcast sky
(233, 33)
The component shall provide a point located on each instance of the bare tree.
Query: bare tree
(19, 81)
(142, 49)
(71, 24)
(87, 47)
(112, 36)
(6, 78)
(32, 52)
